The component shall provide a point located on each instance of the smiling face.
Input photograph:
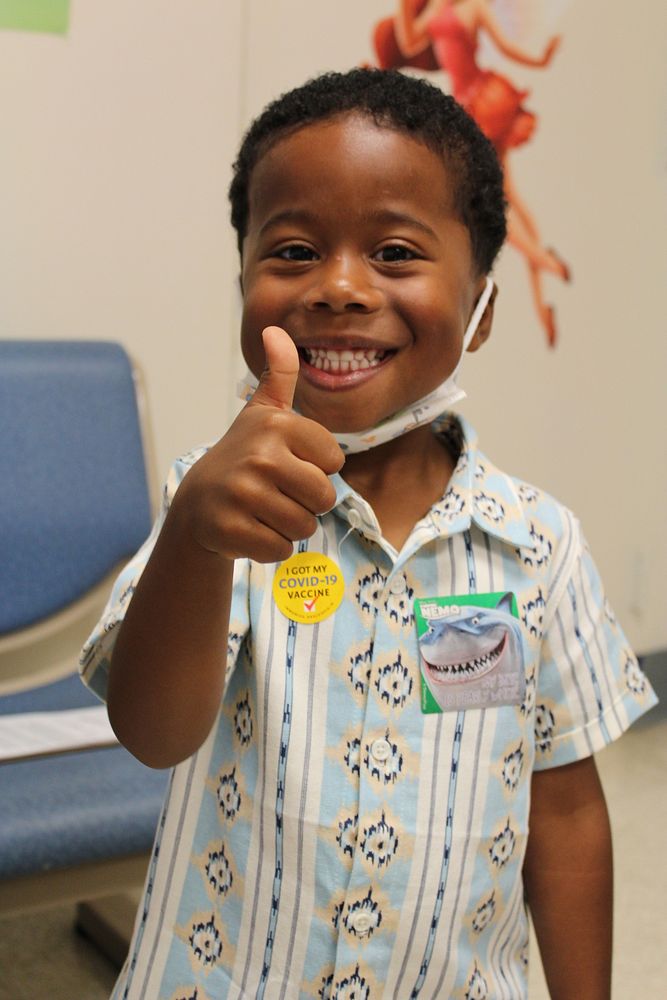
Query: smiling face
(354, 247)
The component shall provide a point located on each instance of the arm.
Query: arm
(250, 496)
(487, 20)
(411, 30)
(569, 882)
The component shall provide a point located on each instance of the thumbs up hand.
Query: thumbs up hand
(261, 486)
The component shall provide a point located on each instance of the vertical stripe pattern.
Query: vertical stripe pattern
(330, 839)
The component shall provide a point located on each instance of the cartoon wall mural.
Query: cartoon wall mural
(447, 35)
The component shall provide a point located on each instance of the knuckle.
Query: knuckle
(275, 420)
(335, 457)
(324, 496)
(282, 549)
(308, 526)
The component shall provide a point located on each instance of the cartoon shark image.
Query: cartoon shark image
(473, 648)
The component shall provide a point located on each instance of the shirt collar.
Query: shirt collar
(478, 492)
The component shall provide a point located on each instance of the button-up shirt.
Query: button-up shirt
(330, 838)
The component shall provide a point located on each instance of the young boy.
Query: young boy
(366, 725)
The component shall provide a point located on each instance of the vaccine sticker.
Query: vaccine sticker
(308, 587)
(470, 652)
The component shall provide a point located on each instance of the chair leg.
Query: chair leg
(107, 923)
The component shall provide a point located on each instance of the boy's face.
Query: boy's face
(355, 249)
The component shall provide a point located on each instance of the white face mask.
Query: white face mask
(422, 411)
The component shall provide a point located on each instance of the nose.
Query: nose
(343, 283)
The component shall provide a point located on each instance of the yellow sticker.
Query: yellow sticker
(308, 587)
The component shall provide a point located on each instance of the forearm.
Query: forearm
(411, 33)
(519, 55)
(168, 665)
(487, 20)
(569, 888)
(251, 496)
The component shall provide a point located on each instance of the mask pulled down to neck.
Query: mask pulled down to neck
(424, 410)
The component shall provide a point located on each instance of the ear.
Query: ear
(483, 331)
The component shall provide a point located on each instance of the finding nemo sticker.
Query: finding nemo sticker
(470, 652)
(308, 587)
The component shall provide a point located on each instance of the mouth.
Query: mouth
(467, 670)
(343, 362)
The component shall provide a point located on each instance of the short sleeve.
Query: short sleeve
(590, 687)
(96, 653)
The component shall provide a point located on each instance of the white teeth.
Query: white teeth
(479, 665)
(342, 361)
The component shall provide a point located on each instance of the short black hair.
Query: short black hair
(407, 104)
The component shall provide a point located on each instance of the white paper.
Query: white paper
(35, 734)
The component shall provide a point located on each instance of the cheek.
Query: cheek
(437, 340)
(437, 328)
(267, 302)
(252, 346)
(261, 308)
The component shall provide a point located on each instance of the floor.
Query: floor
(43, 958)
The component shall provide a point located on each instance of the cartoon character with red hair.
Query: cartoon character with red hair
(444, 35)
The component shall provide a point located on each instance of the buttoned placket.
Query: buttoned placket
(375, 813)
(374, 802)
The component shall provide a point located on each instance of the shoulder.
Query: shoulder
(544, 516)
(545, 533)
(553, 545)
(510, 507)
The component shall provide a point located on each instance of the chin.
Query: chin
(337, 423)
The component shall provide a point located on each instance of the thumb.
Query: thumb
(278, 381)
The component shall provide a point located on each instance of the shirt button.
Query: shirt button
(354, 518)
(380, 749)
(361, 922)
(398, 585)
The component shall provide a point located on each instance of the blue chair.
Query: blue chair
(74, 505)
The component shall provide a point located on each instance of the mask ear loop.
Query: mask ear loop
(476, 318)
(354, 520)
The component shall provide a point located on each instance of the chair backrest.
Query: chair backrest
(74, 492)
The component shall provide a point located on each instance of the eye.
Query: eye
(297, 252)
(474, 621)
(394, 253)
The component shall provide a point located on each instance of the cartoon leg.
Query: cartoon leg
(524, 235)
(519, 237)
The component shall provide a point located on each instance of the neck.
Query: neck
(401, 479)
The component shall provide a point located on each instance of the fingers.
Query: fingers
(313, 443)
(269, 536)
(306, 485)
(278, 382)
(256, 512)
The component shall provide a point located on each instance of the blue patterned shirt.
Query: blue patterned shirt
(330, 839)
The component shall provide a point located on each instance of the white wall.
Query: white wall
(118, 141)
(117, 146)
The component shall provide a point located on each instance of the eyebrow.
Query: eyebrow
(288, 215)
(402, 218)
(387, 216)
